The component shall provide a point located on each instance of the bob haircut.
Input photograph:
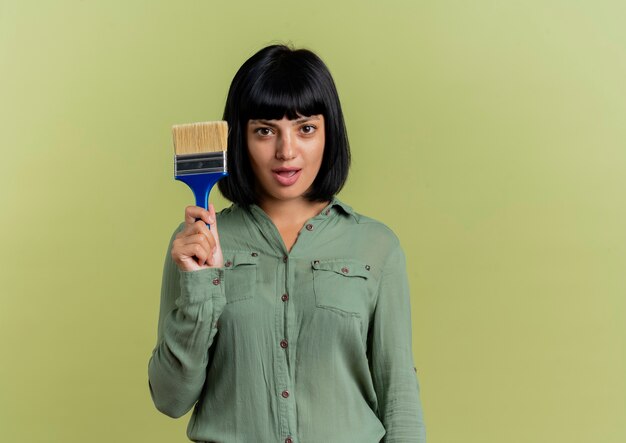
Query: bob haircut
(276, 82)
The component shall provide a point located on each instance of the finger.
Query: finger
(192, 250)
(198, 227)
(201, 239)
(202, 228)
(200, 253)
(193, 213)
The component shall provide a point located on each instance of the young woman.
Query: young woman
(288, 320)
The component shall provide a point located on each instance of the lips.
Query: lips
(286, 176)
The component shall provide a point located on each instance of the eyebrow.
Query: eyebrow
(295, 122)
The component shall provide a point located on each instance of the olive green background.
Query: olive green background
(488, 135)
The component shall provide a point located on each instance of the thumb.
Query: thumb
(213, 222)
(217, 259)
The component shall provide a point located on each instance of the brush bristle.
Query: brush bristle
(194, 138)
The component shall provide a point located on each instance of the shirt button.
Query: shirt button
(284, 297)
(309, 227)
(288, 440)
(285, 394)
(367, 267)
(283, 344)
(228, 263)
(254, 254)
(327, 212)
(345, 270)
(285, 259)
(216, 281)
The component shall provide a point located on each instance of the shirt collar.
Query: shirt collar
(346, 208)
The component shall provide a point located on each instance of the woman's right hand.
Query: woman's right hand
(196, 246)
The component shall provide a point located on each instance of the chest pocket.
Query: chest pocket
(240, 275)
(341, 284)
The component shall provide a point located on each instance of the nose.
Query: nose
(285, 147)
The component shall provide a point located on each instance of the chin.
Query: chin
(287, 195)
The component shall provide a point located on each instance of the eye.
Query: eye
(263, 131)
(308, 129)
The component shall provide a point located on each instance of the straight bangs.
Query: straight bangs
(274, 96)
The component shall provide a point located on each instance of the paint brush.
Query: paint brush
(200, 156)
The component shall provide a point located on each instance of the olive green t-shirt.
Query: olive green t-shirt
(307, 346)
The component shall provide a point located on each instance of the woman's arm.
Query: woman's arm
(391, 359)
(191, 303)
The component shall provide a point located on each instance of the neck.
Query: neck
(291, 213)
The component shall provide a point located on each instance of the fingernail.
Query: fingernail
(211, 220)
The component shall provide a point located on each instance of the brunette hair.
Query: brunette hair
(275, 82)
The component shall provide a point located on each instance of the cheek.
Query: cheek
(320, 153)
(260, 162)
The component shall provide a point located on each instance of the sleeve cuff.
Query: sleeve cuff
(201, 285)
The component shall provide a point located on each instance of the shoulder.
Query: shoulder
(369, 240)
(231, 211)
(236, 230)
(232, 216)
(370, 227)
